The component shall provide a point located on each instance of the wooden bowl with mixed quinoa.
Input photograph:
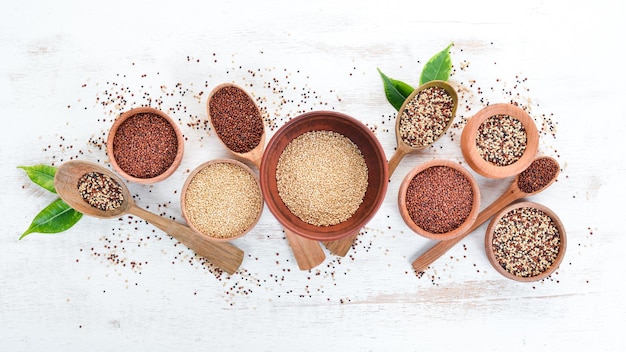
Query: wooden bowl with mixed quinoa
(525, 241)
(501, 140)
(324, 175)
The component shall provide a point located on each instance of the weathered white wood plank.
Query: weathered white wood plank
(68, 69)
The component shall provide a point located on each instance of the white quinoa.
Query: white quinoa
(322, 177)
(223, 200)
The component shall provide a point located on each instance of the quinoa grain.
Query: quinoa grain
(439, 199)
(501, 140)
(236, 119)
(322, 177)
(526, 242)
(537, 175)
(100, 191)
(425, 117)
(145, 145)
(223, 200)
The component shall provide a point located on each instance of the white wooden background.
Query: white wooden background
(67, 68)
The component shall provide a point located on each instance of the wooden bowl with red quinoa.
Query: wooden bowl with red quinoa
(439, 199)
(324, 128)
(144, 145)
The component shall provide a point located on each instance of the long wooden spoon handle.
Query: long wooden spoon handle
(222, 254)
(392, 164)
(341, 246)
(441, 247)
(308, 253)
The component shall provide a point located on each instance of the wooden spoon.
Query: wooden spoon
(308, 253)
(404, 148)
(342, 246)
(256, 154)
(512, 194)
(224, 255)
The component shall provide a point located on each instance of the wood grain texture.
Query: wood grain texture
(68, 69)
(341, 246)
(224, 255)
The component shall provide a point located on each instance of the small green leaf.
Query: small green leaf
(438, 67)
(56, 217)
(42, 175)
(396, 91)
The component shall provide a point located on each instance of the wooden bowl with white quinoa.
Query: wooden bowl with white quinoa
(222, 199)
(324, 175)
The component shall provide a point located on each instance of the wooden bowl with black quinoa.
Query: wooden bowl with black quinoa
(324, 175)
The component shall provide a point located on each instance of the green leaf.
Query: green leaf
(396, 91)
(56, 217)
(42, 175)
(438, 67)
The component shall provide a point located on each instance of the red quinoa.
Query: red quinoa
(145, 145)
(236, 119)
(439, 199)
(537, 175)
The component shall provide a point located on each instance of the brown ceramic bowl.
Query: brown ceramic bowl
(489, 237)
(486, 168)
(185, 206)
(464, 226)
(127, 174)
(370, 148)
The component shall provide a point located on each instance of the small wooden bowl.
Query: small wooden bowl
(486, 168)
(367, 143)
(185, 209)
(490, 234)
(461, 229)
(179, 151)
